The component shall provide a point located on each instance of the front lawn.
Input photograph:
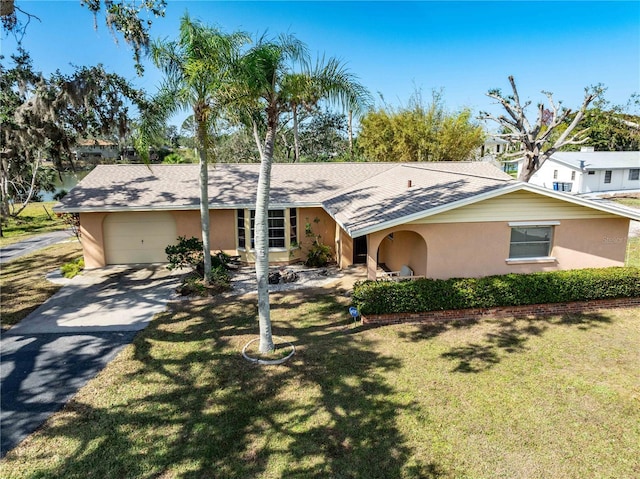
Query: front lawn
(35, 218)
(23, 286)
(545, 398)
(631, 200)
(633, 252)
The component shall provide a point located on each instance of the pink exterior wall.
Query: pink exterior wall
(441, 250)
(188, 224)
(481, 249)
(222, 232)
(404, 248)
(344, 248)
(222, 228)
(92, 239)
(326, 228)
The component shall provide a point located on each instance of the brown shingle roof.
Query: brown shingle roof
(358, 195)
(387, 196)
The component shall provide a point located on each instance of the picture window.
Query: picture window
(530, 242)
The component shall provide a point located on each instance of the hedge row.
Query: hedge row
(385, 297)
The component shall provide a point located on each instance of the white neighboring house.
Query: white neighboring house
(492, 150)
(493, 146)
(590, 171)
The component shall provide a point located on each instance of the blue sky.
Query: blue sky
(464, 48)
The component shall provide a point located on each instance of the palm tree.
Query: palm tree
(267, 79)
(197, 70)
(328, 80)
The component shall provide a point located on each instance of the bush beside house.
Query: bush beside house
(422, 295)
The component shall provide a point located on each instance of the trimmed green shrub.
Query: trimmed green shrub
(385, 297)
(72, 268)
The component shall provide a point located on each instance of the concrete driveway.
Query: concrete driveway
(59, 347)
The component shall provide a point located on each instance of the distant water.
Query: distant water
(69, 180)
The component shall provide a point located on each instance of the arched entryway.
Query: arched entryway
(401, 248)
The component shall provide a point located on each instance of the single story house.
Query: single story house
(442, 220)
(96, 149)
(587, 171)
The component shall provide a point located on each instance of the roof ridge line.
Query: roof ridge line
(460, 172)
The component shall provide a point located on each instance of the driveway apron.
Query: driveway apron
(59, 347)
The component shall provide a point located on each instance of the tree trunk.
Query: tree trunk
(350, 128)
(4, 190)
(204, 196)
(32, 186)
(296, 144)
(262, 241)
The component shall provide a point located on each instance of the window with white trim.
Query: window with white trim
(530, 242)
(293, 226)
(276, 229)
(607, 176)
(242, 238)
(276, 226)
(634, 174)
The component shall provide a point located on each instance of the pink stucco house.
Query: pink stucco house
(442, 220)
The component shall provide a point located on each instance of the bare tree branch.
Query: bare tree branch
(534, 141)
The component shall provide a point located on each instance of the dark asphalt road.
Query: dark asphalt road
(39, 373)
(32, 244)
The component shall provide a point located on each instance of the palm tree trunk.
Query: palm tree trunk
(350, 127)
(204, 197)
(296, 144)
(262, 241)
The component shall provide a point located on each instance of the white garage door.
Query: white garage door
(138, 237)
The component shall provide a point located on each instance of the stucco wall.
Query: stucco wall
(222, 228)
(344, 245)
(325, 227)
(188, 223)
(92, 239)
(481, 249)
(404, 248)
(471, 241)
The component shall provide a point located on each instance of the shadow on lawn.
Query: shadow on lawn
(187, 405)
(511, 336)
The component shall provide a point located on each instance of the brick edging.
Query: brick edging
(548, 309)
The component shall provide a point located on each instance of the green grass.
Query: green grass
(633, 252)
(33, 220)
(23, 286)
(629, 201)
(523, 398)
